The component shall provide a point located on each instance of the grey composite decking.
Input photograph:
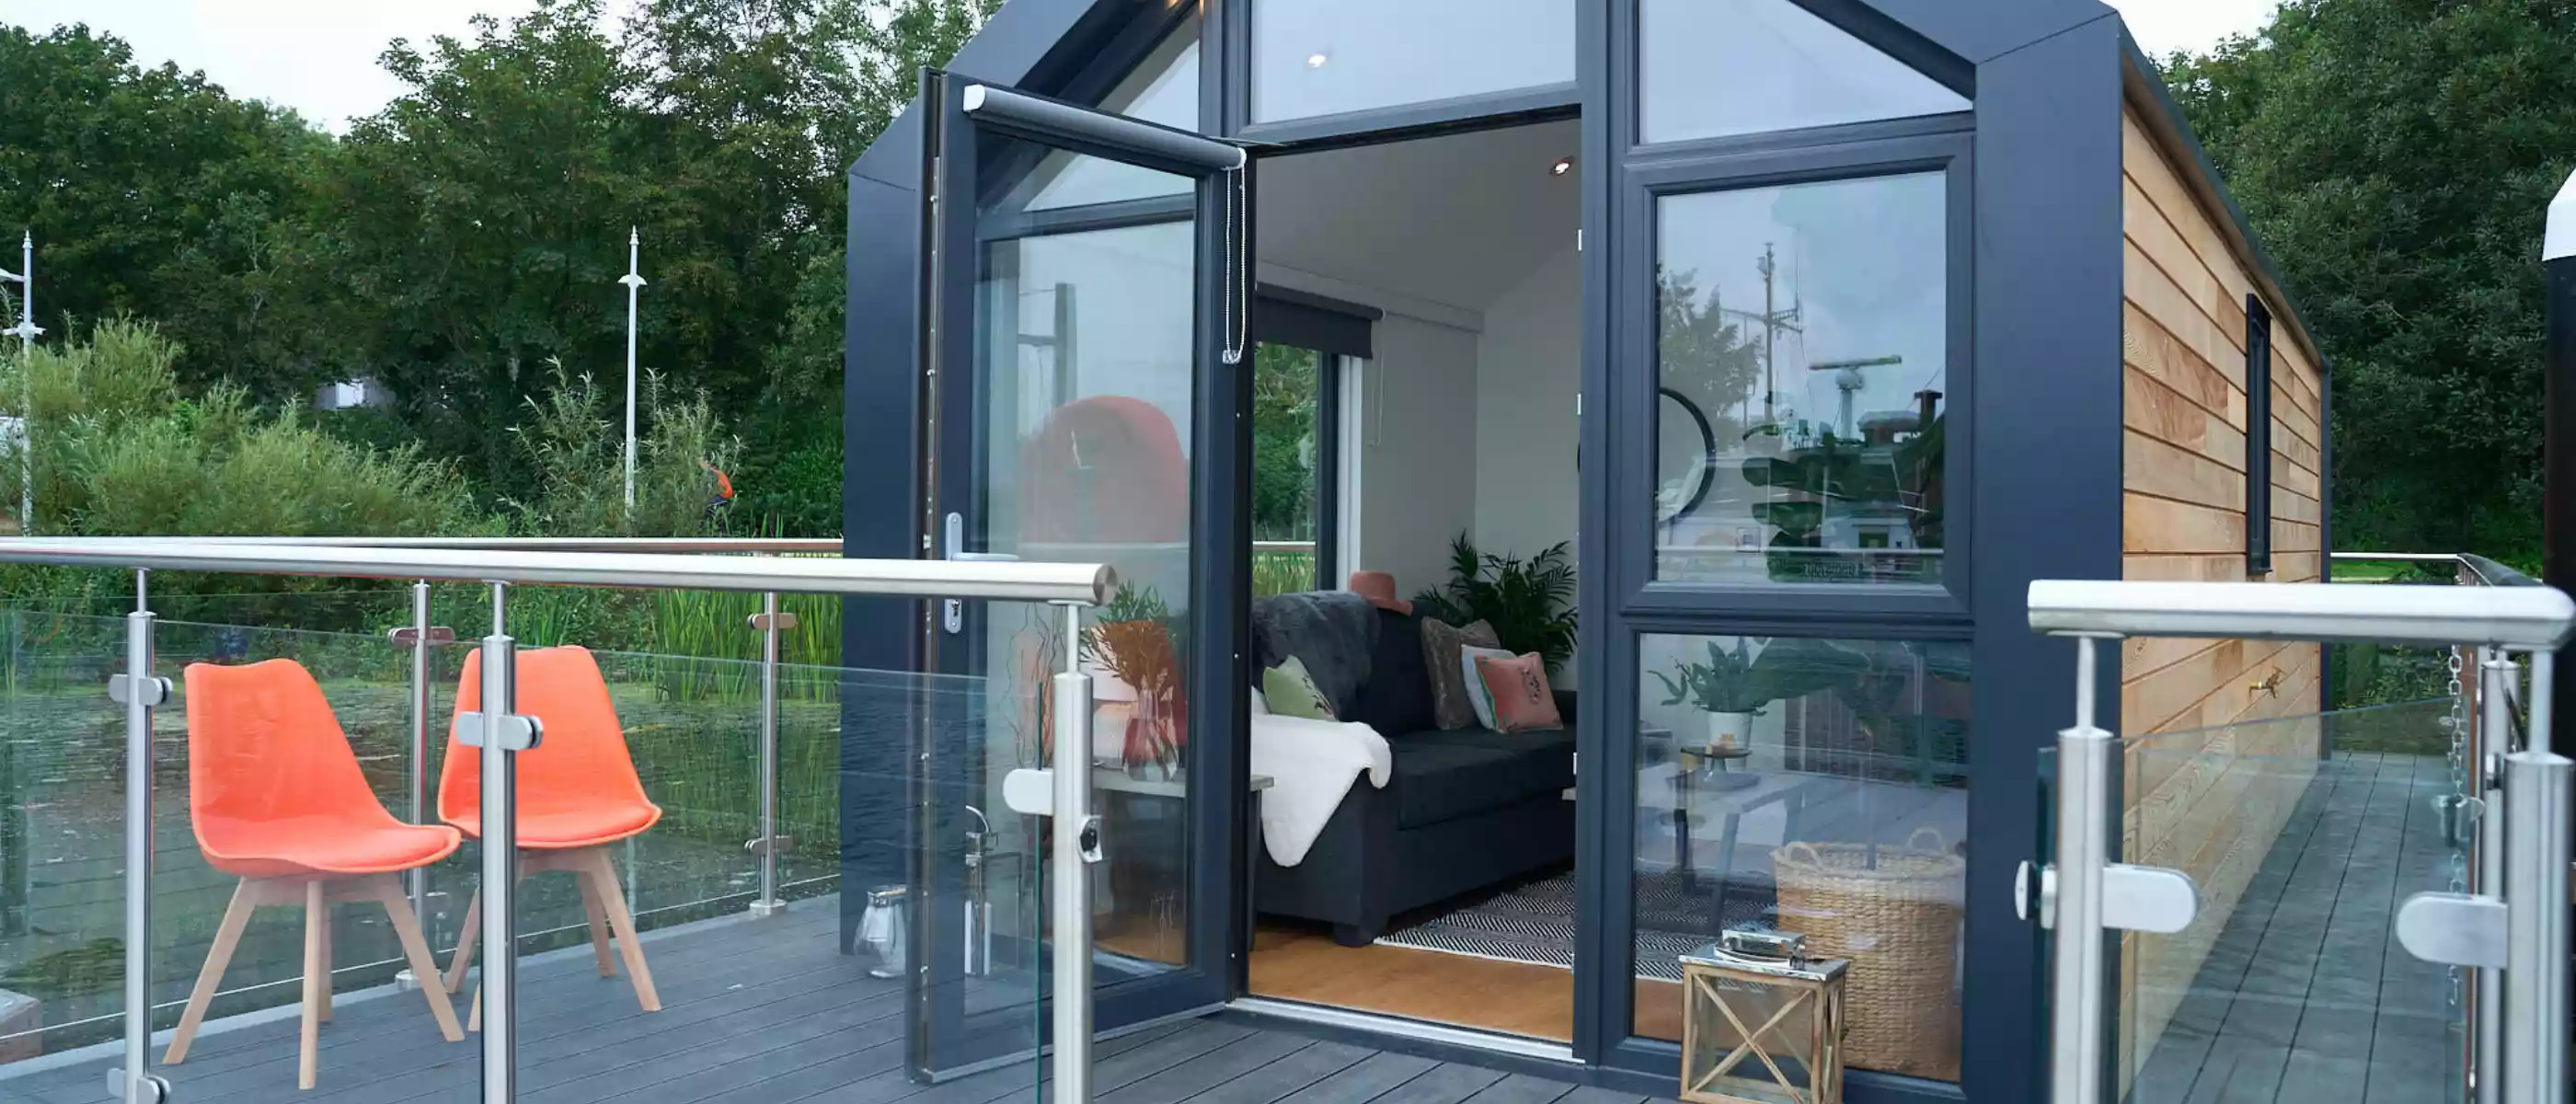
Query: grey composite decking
(767, 1012)
(2305, 995)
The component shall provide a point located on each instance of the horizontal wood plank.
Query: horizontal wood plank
(2155, 467)
(2149, 348)
(2151, 524)
(2153, 409)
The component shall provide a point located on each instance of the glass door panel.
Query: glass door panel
(1085, 457)
(1074, 368)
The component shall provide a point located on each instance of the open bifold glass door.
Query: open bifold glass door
(1083, 324)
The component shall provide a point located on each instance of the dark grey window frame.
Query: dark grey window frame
(1678, 170)
(2258, 436)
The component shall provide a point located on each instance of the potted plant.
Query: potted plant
(1733, 687)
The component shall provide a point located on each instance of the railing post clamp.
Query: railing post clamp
(156, 690)
(151, 1088)
(510, 731)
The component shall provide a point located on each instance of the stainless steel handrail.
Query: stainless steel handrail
(2522, 618)
(1020, 581)
(503, 735)
(2485, 571)
(830, 545)
(2526, 912)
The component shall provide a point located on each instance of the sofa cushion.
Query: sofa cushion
(1396, 699)
(1445, 774)
(1334, 631)
(1441, 641)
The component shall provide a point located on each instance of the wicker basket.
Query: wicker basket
(1898, 923)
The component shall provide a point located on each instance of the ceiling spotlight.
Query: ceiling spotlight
(1316, 61)
(1562, 166)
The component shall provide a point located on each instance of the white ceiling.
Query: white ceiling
(1459, 219)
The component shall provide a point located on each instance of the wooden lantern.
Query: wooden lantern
(1757, 1030)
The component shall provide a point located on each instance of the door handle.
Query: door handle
(952, 544)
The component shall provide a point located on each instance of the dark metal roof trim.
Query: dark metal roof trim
(2146, 89)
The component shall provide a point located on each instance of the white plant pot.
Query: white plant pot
(1730, 730)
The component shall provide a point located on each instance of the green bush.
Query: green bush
(578, 454)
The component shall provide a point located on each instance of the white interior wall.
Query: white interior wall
(1528, 368)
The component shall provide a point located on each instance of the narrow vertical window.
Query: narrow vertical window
(2258, 437)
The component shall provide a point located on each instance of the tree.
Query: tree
(152, 192)
(2396, 157)
(485, 214)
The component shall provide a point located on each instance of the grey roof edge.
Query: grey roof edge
(2146, 90)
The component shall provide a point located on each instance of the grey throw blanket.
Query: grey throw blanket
(1333, 631)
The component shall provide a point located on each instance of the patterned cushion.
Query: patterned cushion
(1472, 676)
(1440, 643)
(1518, 689)
(1291, 692)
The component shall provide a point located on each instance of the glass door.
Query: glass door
(1085, 338)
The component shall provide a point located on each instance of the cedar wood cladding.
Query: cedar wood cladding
(2199, 804)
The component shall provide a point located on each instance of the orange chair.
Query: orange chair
(277, 799)
(578, 793)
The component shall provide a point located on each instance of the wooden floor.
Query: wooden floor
(759, 1011)
(1514, 998)
(2305, 995)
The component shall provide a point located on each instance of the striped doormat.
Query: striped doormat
(1534, 923)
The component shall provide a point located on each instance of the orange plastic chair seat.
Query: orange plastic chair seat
(274, 790)
(578, 787)
(320, 845)
(564, 829)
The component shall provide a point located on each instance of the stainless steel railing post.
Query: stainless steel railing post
(417, 882)
(500, 806)
(2084, 760)
(138, 689)
(2535, 897)
(768, 904)
(2536, 906)
(1075, 847)
(2487, 755)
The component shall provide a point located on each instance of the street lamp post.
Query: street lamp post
(26, 331)
(633, 281)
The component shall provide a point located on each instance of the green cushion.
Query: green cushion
(1292, 693)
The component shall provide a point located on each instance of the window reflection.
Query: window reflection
(1083, 414)
(1810, 786)
(1327, 57)
(1802, 347)
(1709, 68)
(1163, 89)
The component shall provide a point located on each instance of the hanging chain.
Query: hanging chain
(1238, 313)
(2456, 823)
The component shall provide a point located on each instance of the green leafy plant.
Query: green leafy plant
(1741, 681)
(1530, 603)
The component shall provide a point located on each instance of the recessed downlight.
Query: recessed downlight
(1317, 60)
(1562, 166)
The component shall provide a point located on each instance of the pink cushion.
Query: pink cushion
(1520, 693)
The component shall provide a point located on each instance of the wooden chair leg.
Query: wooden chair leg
(246, 898)
(621, 923)
(327, 956)
(387, 890)
(316, 904)
(464, 956)
(598, 916)
(474, 1009)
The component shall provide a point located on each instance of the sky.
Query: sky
(319, 56)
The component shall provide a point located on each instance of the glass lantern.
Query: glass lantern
(1759, 1030)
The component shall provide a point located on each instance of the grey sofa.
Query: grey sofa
(1464, 809)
